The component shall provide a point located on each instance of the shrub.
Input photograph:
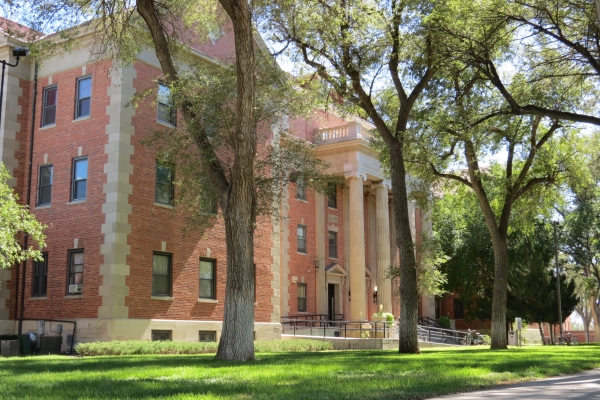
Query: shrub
(134, 347)
(444, 322)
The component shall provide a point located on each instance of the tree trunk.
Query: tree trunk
(500, 245)
(596, 315)
(237, 337)
(598, 10)
(586, 328)
(409, 300)
(541, 328)
(551, 330)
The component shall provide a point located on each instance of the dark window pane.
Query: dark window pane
(161, 275)
(207, 279)
(163, 193)
(333, 244)
(84, 108)
(51, 97)
(164, 184)
(80, 190)
(45, 195)
(46, 176)
(160, 285)
(50, 116)
(163, 174)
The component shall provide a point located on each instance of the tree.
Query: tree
(580, 236)
(166, 26)
(353, 47)
(556, 39)
(15, 219)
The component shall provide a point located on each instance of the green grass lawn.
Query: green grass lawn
(319, 375)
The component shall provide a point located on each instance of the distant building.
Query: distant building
(116, 261)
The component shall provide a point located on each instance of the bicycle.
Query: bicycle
(568, 341)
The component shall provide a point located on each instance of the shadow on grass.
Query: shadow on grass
(350, 375)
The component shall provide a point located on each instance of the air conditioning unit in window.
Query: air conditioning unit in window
(73, 289)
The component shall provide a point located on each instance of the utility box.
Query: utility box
(50, 344)
(9, 347)
(41, 327)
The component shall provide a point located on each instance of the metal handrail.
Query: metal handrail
(341, 326)
(427, 333)
(426, 321)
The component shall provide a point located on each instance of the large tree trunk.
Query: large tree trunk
(541, 328)
(237, 337)
(500, 245)
(598, 10)
(409, 300)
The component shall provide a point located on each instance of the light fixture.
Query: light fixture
(375, 294)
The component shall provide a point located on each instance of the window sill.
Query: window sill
(74, 296)
(302, 312)
(71, 203)
(333, 258)
(42, 207)
(302, 253)
(86, 118)
(38, 298)
(166, 124)
(302, 200)
(167, 206)
(165, 298)
(332, 208)
(47, 127)
(212, 301)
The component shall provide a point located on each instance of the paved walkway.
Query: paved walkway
(583, 386)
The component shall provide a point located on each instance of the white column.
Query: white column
(384, 286)
(358, 300)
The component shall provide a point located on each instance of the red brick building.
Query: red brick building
(116, 261)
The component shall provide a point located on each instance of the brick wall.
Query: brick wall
(69, 221)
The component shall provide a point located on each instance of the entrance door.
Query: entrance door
(331, 301)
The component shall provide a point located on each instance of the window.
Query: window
(205, 336)
(301, 239)
(164, 188)
(207, 279)
(45, 185)
(161, 336)
(166, 108)
(300, 189)
(161, 274)
(79, 184)
(208, 203)
(301, 297)
(49, 109)
(332, 197)
(84, 97)
(333, 253)
(75, 272)
(459, 311)
(40, 276)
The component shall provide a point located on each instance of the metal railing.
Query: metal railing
(426, 321)
(332, 318)
(441, 335)
(337, 328)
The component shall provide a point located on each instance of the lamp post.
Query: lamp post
(17, 52)
(555, 224)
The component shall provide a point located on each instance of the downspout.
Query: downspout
(25, 245)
